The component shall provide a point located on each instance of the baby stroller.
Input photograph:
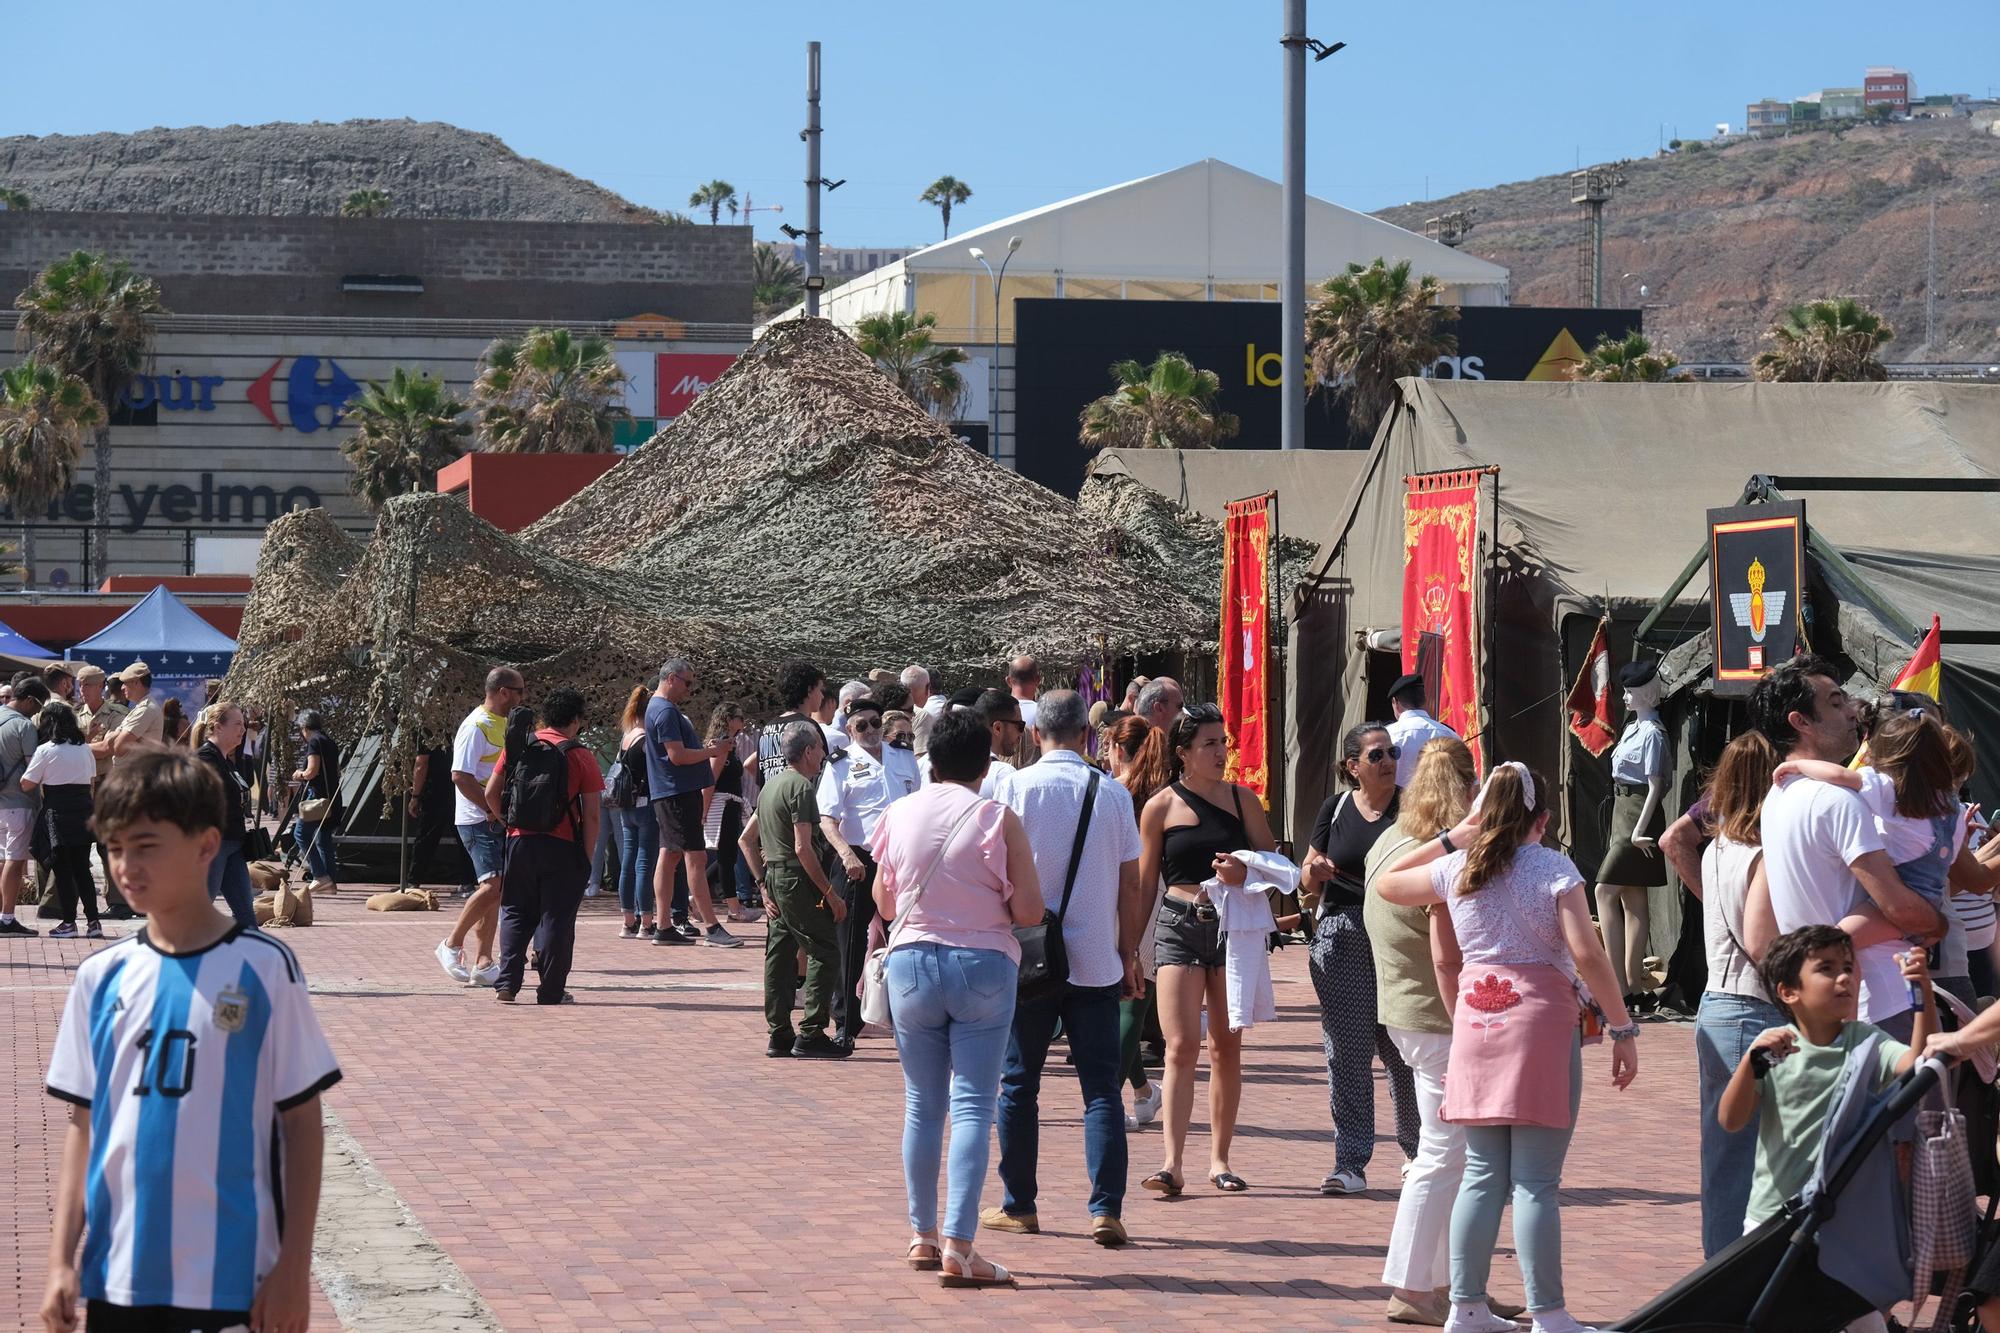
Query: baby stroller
(1798, 1272)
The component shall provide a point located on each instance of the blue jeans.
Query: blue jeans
(1723, 1030)
(1089, 1017)
(635, 864)
(1528, 1159)
(315, 843)
(229, 879)
(951, 1009)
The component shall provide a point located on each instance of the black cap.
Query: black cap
(1634, 674)
(1410, 684)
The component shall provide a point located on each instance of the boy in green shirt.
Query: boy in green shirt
(1794, 1072)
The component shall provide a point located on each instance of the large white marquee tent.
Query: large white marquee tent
(1205, 231)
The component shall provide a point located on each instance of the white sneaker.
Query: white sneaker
(487, 975)
(453, 962)
(1559, 1321)
(1147, 1107)
(1477, 1319)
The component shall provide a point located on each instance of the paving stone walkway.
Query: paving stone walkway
(634, 1162)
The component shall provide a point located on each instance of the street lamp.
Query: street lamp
(993, 370)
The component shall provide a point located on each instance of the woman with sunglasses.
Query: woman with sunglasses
(1343, 964)
(1189, 833)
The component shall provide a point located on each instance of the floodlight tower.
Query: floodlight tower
(1450, 228)
(1593, 188)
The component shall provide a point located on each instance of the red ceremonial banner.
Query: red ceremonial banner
(1245, 675)
(1590, 698)
(1440, 598)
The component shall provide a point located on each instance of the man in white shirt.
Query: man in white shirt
(854, 790)
(474, 751)
(1159, 702)
(1822, 852)
(1102, 921)
(17, 807)
(1413, 727)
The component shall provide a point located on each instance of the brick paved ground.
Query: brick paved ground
(634, 1162)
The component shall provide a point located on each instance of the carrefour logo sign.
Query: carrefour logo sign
(306, 394)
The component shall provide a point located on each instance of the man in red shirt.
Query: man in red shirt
(549, 837)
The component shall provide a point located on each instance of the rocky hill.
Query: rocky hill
(1725, 238)
(428, 169)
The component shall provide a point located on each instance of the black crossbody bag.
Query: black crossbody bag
(1044, 962)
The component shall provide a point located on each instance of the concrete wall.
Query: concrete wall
(470, 270)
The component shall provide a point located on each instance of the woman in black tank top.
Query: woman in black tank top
(1187, 834)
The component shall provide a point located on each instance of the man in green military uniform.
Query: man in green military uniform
(784, 847)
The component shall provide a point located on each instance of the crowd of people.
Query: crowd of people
(984, 874)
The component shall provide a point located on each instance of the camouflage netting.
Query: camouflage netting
(1172, 545)
(801, 507)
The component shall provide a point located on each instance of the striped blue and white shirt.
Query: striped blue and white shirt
(185, 1061)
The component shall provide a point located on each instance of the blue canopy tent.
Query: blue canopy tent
(179, 646)
(13, 645)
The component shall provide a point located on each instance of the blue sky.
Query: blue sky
(1027, 102)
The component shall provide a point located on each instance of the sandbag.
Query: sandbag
(265, 907)
(292, 905)
(403, 900)
(266, 876)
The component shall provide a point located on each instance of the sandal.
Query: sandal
(968, 1274)
(924, 1263)
(1229, 1182)
(1163, 1181)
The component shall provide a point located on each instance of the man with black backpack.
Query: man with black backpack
(547, 786)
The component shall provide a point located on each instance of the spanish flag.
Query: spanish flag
(1921, 674)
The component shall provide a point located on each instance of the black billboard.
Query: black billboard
(1064, 350)
(1756, 570)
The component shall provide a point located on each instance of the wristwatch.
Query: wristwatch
(1444, 841)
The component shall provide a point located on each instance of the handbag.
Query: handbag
(1044, 962)
(875, 976)
(257, 844)
(1944, 1214)
(313, 809)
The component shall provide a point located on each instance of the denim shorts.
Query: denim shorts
(1185, 940)
(486, 846)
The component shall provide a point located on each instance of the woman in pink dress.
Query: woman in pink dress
(1529, 963)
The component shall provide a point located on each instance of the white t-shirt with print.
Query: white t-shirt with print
(475, 750)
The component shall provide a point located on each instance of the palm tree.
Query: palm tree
(775, 279)
(1167, 405)
(91, 317)
(369, 203)
(713, 197)
(549, 392)
(1832, 341)
(404, 432)
(13, 200)
(944, 192)
(1371, 326)
(902, 347)
(1628, 360)
(44, 413)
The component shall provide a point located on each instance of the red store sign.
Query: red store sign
(681, 377)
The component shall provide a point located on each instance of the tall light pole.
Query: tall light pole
(814, 282)
(993, 368)
(1292, 294)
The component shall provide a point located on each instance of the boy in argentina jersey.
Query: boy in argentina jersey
(193, 1064)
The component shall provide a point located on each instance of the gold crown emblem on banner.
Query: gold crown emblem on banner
(1756, 576)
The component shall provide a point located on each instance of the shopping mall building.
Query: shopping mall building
(278, 321)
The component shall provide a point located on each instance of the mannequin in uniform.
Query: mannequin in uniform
(1632, 861)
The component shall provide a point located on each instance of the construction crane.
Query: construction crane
(1593, 188)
